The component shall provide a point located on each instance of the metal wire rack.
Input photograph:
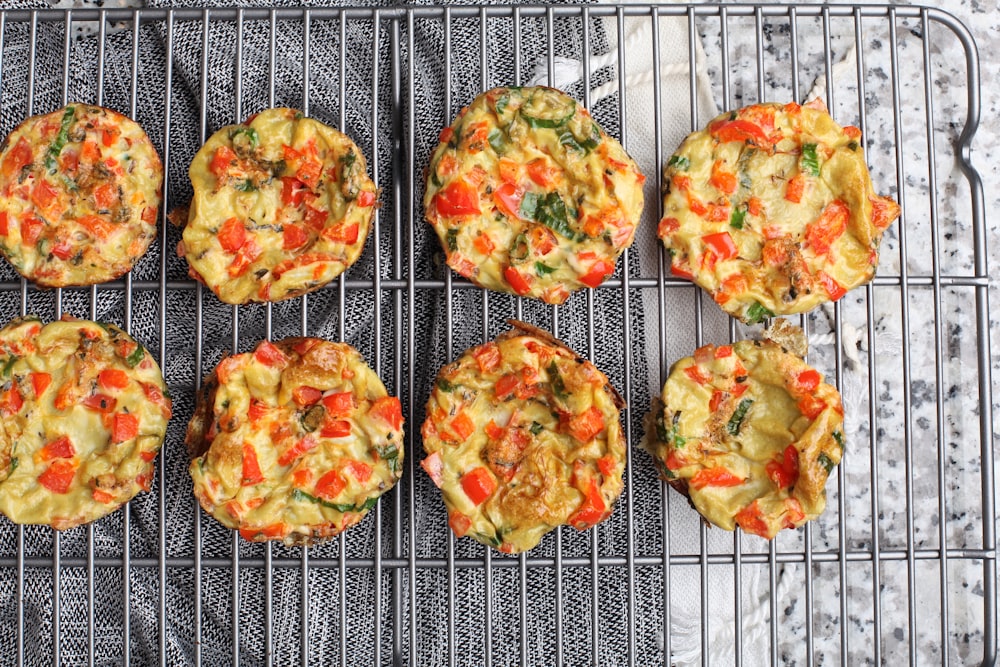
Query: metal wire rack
(901, 567)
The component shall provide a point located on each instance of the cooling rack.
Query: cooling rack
(900, 568)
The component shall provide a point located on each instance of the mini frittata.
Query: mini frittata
(771, 210)
(79, 194)
(282, 205)
(749, 433)
(294, 441)
(529, 196)
(84, 412)
(521, 436)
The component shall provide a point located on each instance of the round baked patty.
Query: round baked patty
(529, 195)
(294, 441)
(749, 433)
(83, 411)
(771, 210)
(79, 192)
(282, 205)
(522, 435)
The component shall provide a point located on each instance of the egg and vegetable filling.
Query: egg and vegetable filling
(521, 436)
(79, 194)
(84, 411)
(529, 196)
(282, 205)
(771, 210)
(749, 433)
(294, 441)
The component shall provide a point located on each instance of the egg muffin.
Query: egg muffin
(294, 441)
(771, 210)
(529, 196)
(521, 436)
(749, 433)
(79, 193)
(84, 411)
(282, 205)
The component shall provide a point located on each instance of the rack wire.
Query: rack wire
(901, 568)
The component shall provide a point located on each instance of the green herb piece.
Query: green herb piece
(810, 161)
(452, 239)
(302, 496)
(558, 387)
(368, 504)
(826, 462)
(244, 185)
(55, 148)
(536, 428)
(14, 462)
(497, 141)
(8, 365)
(502, 103)
(736, 421)
(737, 216)
(444, 385)
(492, 540)
(529, 205)
(853, 145)
(543, 269)
(137, 355)
(569, 141)
(245, 140)
(519, 251)
(549, 210)
(743, 167)
(679, 162)
(662, 434)
(757, 313)
(839, 437)
(389, 454)
(547, 123)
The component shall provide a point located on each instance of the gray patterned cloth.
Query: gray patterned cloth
(163, 613)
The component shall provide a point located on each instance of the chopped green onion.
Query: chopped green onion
(452, 239)
(244, 139)
(13, 464)
(547, 123)
(558, 388)
(757, 313)
(368, 504)
(444, 385)
(839, 437)
(810, 161)
(137, 355)
(519, 251)
(55, 148)
(736, 219)
(543, 269)
(826, 462)
(736, 421)
(679, 162)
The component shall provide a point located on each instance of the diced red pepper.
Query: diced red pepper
(542, 172)
(31, 230)
(105, 195)
(100, 403)
(462, 426)
(795, 188)
(221, 161)
(483, 243)
(723, 351)
(124, 427)
(828, 227)
(269, 354)
(494, 432)
(714, 477)
(457, 198)
(517, 281)
(293, 236)
(599, 270)
(40, 382)
(607, 465)
(785, 473)
(716, 400)
(833, 289)
(109, 135)
(335, 428)
(112, 378)
(434, 468)
(366, 198)
(4, 224)
(359, 470)
(303, 395)
(97, 226)
(330, 485)
(446, 135)
(90, 152)
(339, 404)
(292, 191)
(58, 477)
(591, 511)
(309, 172)
(60, 448)
(17, 159)
(807, 381)
(754, 206)
(232, 235)
(721, 244)
(102, 496)
(508, 199)
(256, 411)
(388, 410)
(506, 386)
(811, 406)
(750, 520)
(62, 250)
(586, 425)
(667, 227)
(723, 181)
(251, 467)
(459, 523)
(478, 484)
(487, 357)
(298, 449)
(245, 256)
(884, 211)
(343, 233)
(43, 195)
(697, 374)
(739, 130)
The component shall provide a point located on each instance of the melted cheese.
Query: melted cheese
(749, 433)
(516, 411)
(96, 384)
(524, 181)
(302, 200)
(79, 193)
(326, 438)
(771, 210)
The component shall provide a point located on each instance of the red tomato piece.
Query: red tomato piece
(343, 233)
(483, 244)
(105, 195)
(31, 230)
(833, 289)
(723, 181)
(586, 425)
(43, 195)
(607, 465)
(268, 354)
(462, 426)
(667, 227)
(591, 511)
(795, 188)
(750, 520)
(17, 159)
(112, 378)
(224, 157)
(256, 411)
(292, 191)
(714, 477)
(542, 172)
(330, 485)
(828, 227)
(366, 198)
(811, 406)
(232, 235)
(598, 272)
(96, 226)
(109, 135)
(335, 428)
(251, 467)
(124, 427)
(60, 448)
(518, 282)
(696, 374)
(785, 472)
(293, 236)
(62, 250)
(459, 523)
(309, 172)
(739, 130)
(245, 256)
(478, 484)
(506, 386)
(434, 468)
(508, 199)
(359, 470)
(721, 244)
(102, 496)
(100, 403)
(388, 410)
(807, 381)
(298, 449)
(884, 211)
(487, 357)
(457, 198)
(339, 404)
(40, 382)
(58, 477)
(303, 395)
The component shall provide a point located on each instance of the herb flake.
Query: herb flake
(736, 421)
(757, 313)
(826, 462)
(810, 161)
